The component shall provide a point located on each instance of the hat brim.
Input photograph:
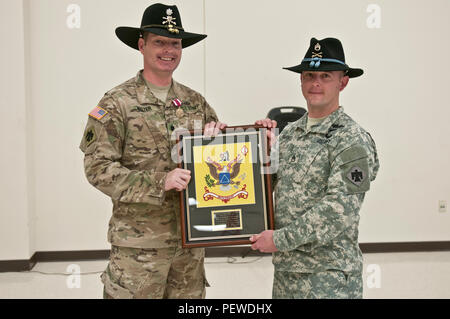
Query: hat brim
(130, 36)
(326, 66)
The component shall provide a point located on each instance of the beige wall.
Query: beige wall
(52, 76)
(15, 227)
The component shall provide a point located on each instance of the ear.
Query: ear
(344, 82)
(141, 44)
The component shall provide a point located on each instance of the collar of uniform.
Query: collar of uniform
(302, 123)
(143, 93)
(324, 126)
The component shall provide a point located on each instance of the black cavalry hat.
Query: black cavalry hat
(325, 55)
(162, 20)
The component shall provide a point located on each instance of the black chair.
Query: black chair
(285, 115)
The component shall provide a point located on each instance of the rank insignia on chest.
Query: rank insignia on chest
(98, 113)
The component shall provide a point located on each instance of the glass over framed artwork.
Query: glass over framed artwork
(229, 197)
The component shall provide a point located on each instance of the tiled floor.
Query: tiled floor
(390, 275)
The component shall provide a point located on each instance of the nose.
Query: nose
(166, 47)
(316, 81)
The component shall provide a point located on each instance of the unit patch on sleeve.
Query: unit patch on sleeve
(354, 169)
(356, 175)
(89, 137)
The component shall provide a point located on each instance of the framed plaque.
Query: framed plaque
(229, 197)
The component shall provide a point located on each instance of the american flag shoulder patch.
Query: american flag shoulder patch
(98, 113)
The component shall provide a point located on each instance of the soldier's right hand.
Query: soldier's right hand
(177, 179)
(270, 125)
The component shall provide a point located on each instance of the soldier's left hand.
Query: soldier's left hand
(264, 242)
(177, 179)
(213, 128)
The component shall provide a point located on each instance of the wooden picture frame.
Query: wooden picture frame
(229, 197)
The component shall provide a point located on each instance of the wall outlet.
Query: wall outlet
(442, 206)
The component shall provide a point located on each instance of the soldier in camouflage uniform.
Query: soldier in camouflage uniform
(326, 164)
(127, 145)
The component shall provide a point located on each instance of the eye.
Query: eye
(326, 77)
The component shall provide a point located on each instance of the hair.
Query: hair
(144, 35)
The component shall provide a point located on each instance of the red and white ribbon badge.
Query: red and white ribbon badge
(177, 102)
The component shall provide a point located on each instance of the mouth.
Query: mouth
(166, 59)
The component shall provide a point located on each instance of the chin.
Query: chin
(315, 102)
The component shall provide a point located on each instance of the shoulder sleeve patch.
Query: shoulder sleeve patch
(89, 136)
(98, 113)
(356, 176)
(354, 169)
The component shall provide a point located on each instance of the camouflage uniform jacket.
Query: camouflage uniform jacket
(128, 155)
(322, 178)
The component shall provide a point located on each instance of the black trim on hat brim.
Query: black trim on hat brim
(324, 66)
(130, 36)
